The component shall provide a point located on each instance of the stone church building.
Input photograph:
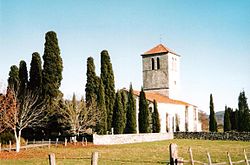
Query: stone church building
(161, 82)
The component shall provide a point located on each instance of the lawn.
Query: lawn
(140, 153)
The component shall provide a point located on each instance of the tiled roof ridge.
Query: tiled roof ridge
(151, 96)
(160, 48)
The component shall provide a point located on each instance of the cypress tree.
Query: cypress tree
(131, 112)
(13, 80)
(35, 80)
(92, 82)
(212, 119)
(244, 113)
(143, 113)
(156, 119)
(52, 67)
(23, 77)
(227, 123)
(102, 125)
(107, 77)
(124, 100)
(118, 116)
(236, 120)
(51, 82)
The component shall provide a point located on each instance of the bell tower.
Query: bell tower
(161, 73)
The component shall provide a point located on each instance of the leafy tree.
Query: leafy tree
(227, 123)
(118, 116)
(107, 77)
(35, 81)
(102, 123)
(212, 119)
(23, 76)
(244, 113)
(131, 112)
(92, 81)
(143, 113)
(13, 80)
(52, 67)
(156, 119)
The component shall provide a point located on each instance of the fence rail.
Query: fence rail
(42, 143)
(175, 160)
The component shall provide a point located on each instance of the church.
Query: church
(161, 82)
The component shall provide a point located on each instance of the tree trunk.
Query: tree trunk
(18, 139)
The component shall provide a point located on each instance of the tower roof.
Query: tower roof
(159, 49)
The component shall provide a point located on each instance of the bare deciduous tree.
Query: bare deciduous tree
(79, 116)
(19, 113)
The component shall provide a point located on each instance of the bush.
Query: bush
(6, 137)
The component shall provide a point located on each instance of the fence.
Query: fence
(175, 160)
(42, 143)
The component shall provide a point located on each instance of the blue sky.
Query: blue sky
(213, 38)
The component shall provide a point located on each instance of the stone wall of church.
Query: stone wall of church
(130, 138)
(157, 79)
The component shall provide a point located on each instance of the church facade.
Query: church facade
(161, 82)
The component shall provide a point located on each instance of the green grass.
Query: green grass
(140, 153)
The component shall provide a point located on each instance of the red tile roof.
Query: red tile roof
(161, 98)
(159, 49)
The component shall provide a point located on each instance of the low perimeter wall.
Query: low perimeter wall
(130, 138)
(237, 136)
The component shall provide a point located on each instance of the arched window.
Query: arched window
(153, 64)
(158, 63)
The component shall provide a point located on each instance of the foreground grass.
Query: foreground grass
(140, 153)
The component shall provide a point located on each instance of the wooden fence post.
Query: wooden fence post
(56, 141)
(52, 159)
(49, 143)
(246, 157)
(65, 142)
(86, 142)
(229, 159)
(94, 158)
(173, 153)
(191, 156)
(209, 159)
(9, 146)
(34, 141)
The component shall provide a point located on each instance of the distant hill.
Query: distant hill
(220, 117)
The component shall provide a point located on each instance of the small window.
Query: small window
(153, 64)
(158, 63)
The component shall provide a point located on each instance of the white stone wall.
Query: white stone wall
(130, 138)
(174, 76)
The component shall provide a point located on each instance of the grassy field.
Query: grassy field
(140, 153)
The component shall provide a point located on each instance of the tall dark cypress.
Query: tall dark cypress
(118, 116)
(124, 100)
(92, 82)
(227, 123)
(144, 126)
(102, 124)
(212, 119)
(13, 80)
(107, 77)
(52, 67)
(35, 81)
(23, 77)
(244, 113)
(131, 112)
(156, 119)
